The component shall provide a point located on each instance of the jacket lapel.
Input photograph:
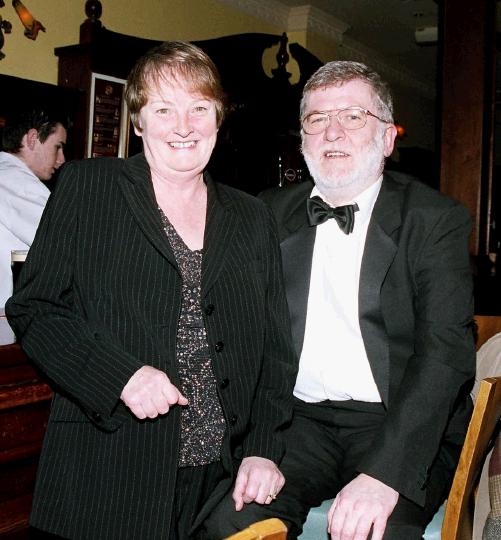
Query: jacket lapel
(380, 250)
(137, 188)
(220, 227)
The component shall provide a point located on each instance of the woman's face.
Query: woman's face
(179, 130)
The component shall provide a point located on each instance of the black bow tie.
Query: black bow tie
(319, 211)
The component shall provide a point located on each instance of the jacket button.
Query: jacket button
(233, 419)
(96, 417)
(209, 309)
(219, 346)
(224, 383)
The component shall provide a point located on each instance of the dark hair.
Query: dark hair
(340, 72)
(19, 123)
(176, 60)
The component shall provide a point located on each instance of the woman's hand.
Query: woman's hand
(149, 393)
(258, 480)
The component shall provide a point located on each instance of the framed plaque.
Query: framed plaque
(108, 117)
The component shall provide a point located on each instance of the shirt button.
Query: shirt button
(219, 346)
(209, 309)
(224, 383)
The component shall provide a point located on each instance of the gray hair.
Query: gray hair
(339, 72)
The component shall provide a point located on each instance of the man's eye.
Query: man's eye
(163, 111)
(353, 115)
(317, 119)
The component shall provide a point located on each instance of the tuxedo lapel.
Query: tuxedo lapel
(380, 250)
(297, 254)
(137, 188)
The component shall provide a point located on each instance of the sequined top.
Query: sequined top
(202, 421)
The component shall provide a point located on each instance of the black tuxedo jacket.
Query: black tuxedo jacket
(98, 298)
(415, 312)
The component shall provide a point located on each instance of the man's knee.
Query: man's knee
(399, 532)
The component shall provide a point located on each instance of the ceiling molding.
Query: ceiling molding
(312, 19)
(307, 17)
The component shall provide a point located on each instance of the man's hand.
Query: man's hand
(363, 503)
(258, 480)
(149, 393)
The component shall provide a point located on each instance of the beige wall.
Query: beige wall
(161, 19)
(179, 19)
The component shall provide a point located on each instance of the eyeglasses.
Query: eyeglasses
(349, 118)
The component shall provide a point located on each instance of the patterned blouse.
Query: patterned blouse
(202, 420)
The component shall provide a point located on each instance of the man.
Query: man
(381, 305)
(33, 146)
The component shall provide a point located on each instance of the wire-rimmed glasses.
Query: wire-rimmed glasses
(349, 118)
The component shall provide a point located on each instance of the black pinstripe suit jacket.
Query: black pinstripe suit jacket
(98, 298)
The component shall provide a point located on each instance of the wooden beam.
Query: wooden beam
(466, 90)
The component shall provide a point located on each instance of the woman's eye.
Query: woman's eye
(200, 109)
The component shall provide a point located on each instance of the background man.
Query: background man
(33, 145)
(381, 303)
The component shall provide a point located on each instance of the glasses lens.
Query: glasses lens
(315, 123)
(352, 118)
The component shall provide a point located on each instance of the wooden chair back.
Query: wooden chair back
(268, 529)
(458, 520)
(487, 326)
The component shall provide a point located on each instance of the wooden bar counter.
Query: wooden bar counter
(24, 409)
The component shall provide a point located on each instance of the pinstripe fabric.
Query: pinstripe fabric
(99, 297)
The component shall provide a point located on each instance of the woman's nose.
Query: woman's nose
(183, 127)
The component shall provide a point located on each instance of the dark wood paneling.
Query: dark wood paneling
(24, 409)
(467, 97)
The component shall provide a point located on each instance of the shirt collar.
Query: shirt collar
(364, 200)
(13, 160)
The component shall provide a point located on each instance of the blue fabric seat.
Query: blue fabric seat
(315, 527)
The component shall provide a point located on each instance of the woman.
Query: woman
(153, 301)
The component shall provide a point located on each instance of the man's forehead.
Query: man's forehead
(353, 92)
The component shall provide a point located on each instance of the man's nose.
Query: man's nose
(334, 130)
(60, 158)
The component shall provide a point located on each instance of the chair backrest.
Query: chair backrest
(458, 520)
(268, 529)
(487, 326)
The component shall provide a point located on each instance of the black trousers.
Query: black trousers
(194, 485)
(324, 445)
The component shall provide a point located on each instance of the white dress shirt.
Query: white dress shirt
(333, 363)
(22, 200)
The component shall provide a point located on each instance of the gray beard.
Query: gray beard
(341, 189)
